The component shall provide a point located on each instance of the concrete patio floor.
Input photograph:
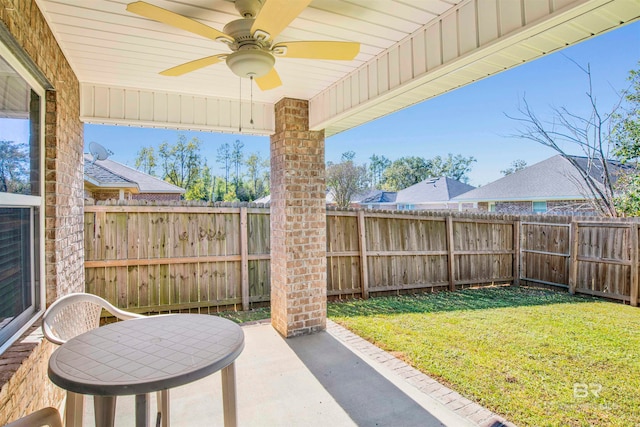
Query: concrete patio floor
(332, 378)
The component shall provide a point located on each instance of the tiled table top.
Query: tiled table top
(144, 355)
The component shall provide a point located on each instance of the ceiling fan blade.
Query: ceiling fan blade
(271, 80)
(187, 67)
(318, 50)
(175, 20)
(276, 15)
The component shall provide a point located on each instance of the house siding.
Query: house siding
(24, 385)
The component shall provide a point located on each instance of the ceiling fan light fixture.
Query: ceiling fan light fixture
(250, 63)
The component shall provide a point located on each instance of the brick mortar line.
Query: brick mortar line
(401, 369)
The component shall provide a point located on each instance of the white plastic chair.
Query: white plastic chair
(49, 417)
(75, 314)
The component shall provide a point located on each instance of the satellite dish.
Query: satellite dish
(98, 151)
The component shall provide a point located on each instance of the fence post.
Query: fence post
(517, 227)
(573, 257)
(364, 268)
(450, 260)
(634, 264)
(244, 258)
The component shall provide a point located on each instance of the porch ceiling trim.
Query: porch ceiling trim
(101, 104)
(474, 40)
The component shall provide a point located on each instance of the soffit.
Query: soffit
(117, 56)
(106, 45)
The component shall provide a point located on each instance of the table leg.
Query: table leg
(163, 407)
(142, 410)
(229, 395)
(105, 409)
(74, 409)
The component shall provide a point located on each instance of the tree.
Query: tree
(348, 156)
(627, 148)
(236, 160)
(594, 134)
(345, 180)
(456, 167)
(14, 167)
(627, 128)
(405, 172)
(255, 170)
(202, 188)
(377, 167)
(224, 159)
(516, 165)
(181, 162)
(146, 160)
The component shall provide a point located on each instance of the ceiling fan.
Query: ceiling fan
(251, 39)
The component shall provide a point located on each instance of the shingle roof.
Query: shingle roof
(376, 196)
(146, 183)
(553, 178)
(104, 177)
(440, 189)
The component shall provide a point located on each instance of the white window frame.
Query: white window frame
(29, 201)
(491, 207)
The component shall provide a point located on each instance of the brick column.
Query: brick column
(298, 223)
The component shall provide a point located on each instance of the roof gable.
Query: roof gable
(440, 189)
(553, 178)
(145, 182)
(102, 177)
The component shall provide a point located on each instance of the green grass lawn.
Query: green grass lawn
(537, 357)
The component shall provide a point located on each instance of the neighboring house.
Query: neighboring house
(550, 186)
(106, 179)
(267, 199)
(371, 199)
(374, 199)
(264, 199)
(430, 194)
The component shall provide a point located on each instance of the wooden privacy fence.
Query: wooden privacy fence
(590, 257)
(177, 258)
(166, 258)
(369, 252)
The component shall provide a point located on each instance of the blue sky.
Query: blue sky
(469, 121)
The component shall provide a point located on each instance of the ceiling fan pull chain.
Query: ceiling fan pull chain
(240, 107)
(251, 95)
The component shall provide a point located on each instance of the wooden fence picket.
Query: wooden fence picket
(196, 258)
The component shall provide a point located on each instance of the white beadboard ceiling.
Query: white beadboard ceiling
(111, 49)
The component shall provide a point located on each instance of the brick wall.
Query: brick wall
(298, 222)
(107, 195)
(571, 207)
(557, 207)
(115, 195)
(23, 382)
(157, 197)
(23, 372)
(514, 208)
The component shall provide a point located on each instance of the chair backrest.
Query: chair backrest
(75, 314)
(44, 417)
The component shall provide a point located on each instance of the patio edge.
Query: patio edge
(456, 403)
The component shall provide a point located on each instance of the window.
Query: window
(539, 207)
(492, 206)
(21, 201)
(406, 207)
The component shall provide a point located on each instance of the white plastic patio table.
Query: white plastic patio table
(140, 356)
